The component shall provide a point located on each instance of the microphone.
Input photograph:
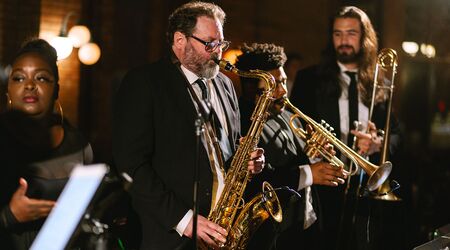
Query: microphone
(204, 106)
(285, 188)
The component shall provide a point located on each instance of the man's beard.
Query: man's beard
(345, 57)
(202, 68)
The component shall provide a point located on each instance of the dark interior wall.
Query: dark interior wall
(130, 33)
(296, 26)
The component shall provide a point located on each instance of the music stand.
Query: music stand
(73, 205)
(441, 242)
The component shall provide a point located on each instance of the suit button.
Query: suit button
(207, 193)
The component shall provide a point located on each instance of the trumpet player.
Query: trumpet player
(338, 90)
(286, 164)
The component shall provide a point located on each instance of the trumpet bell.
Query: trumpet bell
(380, 175)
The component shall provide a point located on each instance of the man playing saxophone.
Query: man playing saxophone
(287, 165)
(155, 134)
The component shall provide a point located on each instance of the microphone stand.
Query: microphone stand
(203, 115)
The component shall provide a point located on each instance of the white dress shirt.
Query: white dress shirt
(207, 142)
(363, 111)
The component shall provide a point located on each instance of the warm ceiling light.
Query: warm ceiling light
(79, 34)
(89, 53)
(410, 47)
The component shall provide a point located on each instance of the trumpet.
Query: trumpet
(319, 135)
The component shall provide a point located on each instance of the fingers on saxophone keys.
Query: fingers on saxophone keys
(219, 234)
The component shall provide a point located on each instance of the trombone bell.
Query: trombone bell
(379, 176)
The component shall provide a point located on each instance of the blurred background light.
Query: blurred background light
(89, 53)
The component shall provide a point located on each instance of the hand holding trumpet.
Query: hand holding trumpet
(328, 174)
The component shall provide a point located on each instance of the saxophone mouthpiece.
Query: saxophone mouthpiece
(224, 64)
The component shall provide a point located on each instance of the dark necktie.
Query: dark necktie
(202, 85)
(217, 126)
(352, 104)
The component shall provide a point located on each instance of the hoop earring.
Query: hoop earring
(9, 106)
(59, 110)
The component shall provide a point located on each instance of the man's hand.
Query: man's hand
(256, 162)
(208, 233)
(326, 174)
(368, 143)
(257, 159)
(27, 209)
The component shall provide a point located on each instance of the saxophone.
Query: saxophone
(253, 213)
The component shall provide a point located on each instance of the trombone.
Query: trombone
(387, 61)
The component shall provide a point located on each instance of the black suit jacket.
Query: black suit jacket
(284, 154)
(154, 141)
(312, 96)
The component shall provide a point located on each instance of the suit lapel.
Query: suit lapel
(299, 143)
(177, 85)
(276, 128)
(225, 97)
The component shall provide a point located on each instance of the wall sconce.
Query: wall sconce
(410, 48)
(89, 53)
(428, 50)
(79, 36)
(62, 43)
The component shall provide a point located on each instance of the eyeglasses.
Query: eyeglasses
(211, 46)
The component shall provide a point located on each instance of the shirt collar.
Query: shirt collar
(191, 76)
(343, 68)
(344, 76)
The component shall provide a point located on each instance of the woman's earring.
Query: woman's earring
(9, 102)
(59, 110)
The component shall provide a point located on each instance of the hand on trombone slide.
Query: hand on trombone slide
(368, 142)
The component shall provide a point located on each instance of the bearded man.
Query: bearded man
(155, 137)
(338, 90)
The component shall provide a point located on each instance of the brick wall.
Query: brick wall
(52, 15)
